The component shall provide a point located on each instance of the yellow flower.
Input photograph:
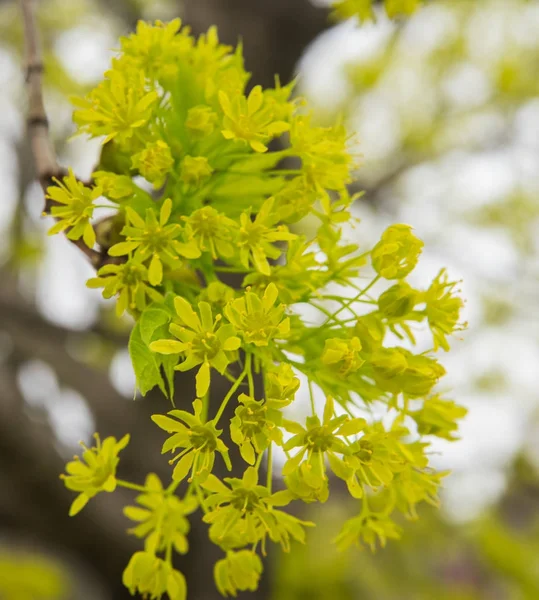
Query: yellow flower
(443, 310)
(202, 341)
(246, 119)
(76, 208)
(116, 107)
(343, 354)
(152, 48)
(154, 238)
(397, 252)
(130, 282)
(97, 475)
(154, 162)
(258, 319)
(212, 231)
(195, 169)
(326, 161)
(256, 238)
(200, 120)
(153, 577)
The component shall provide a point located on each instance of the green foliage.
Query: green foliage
(178, 109)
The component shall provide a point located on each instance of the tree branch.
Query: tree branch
(38, 125)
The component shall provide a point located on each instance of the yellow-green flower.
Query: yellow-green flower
(326, 161)
(212, 231)
(394, 8)
(257, 319)
(369, 528)
(249, 509)
(318, 441)
(195, 169)
(152, 577)
(115, 187)
(199, 440)
(161, 517)
(95, 473)
(130, 282)
(238, 571)
(345, 9)
(201, 121)
(397, 252)
(76, 208)
(398, 301)
(281, 384)
(116, 107)
(439, 417)
(443, 310)
(246, 119)
(343, 354)
(155, 239)
(255, 425)
(202, 341)
(152, 48)
(398, 370)
(363, 9)
(154, 162)
(256, 238)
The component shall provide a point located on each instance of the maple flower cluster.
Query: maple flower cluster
(177, 113)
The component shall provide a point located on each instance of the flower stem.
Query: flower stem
(131, 486)
(269, 479)
(231, 391)
(205, 406)
(311, 396)
(248, 368)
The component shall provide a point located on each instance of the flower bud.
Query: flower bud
(397, 301)
(397, 252)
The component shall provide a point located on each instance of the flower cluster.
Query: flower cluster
(175, 110)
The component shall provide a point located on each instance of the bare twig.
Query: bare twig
(38, 124)
(45, 161)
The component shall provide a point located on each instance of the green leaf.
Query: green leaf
(152, 319)
(145, 364)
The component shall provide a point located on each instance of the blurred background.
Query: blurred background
(446, 110)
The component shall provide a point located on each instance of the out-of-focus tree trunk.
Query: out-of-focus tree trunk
(274, 33)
